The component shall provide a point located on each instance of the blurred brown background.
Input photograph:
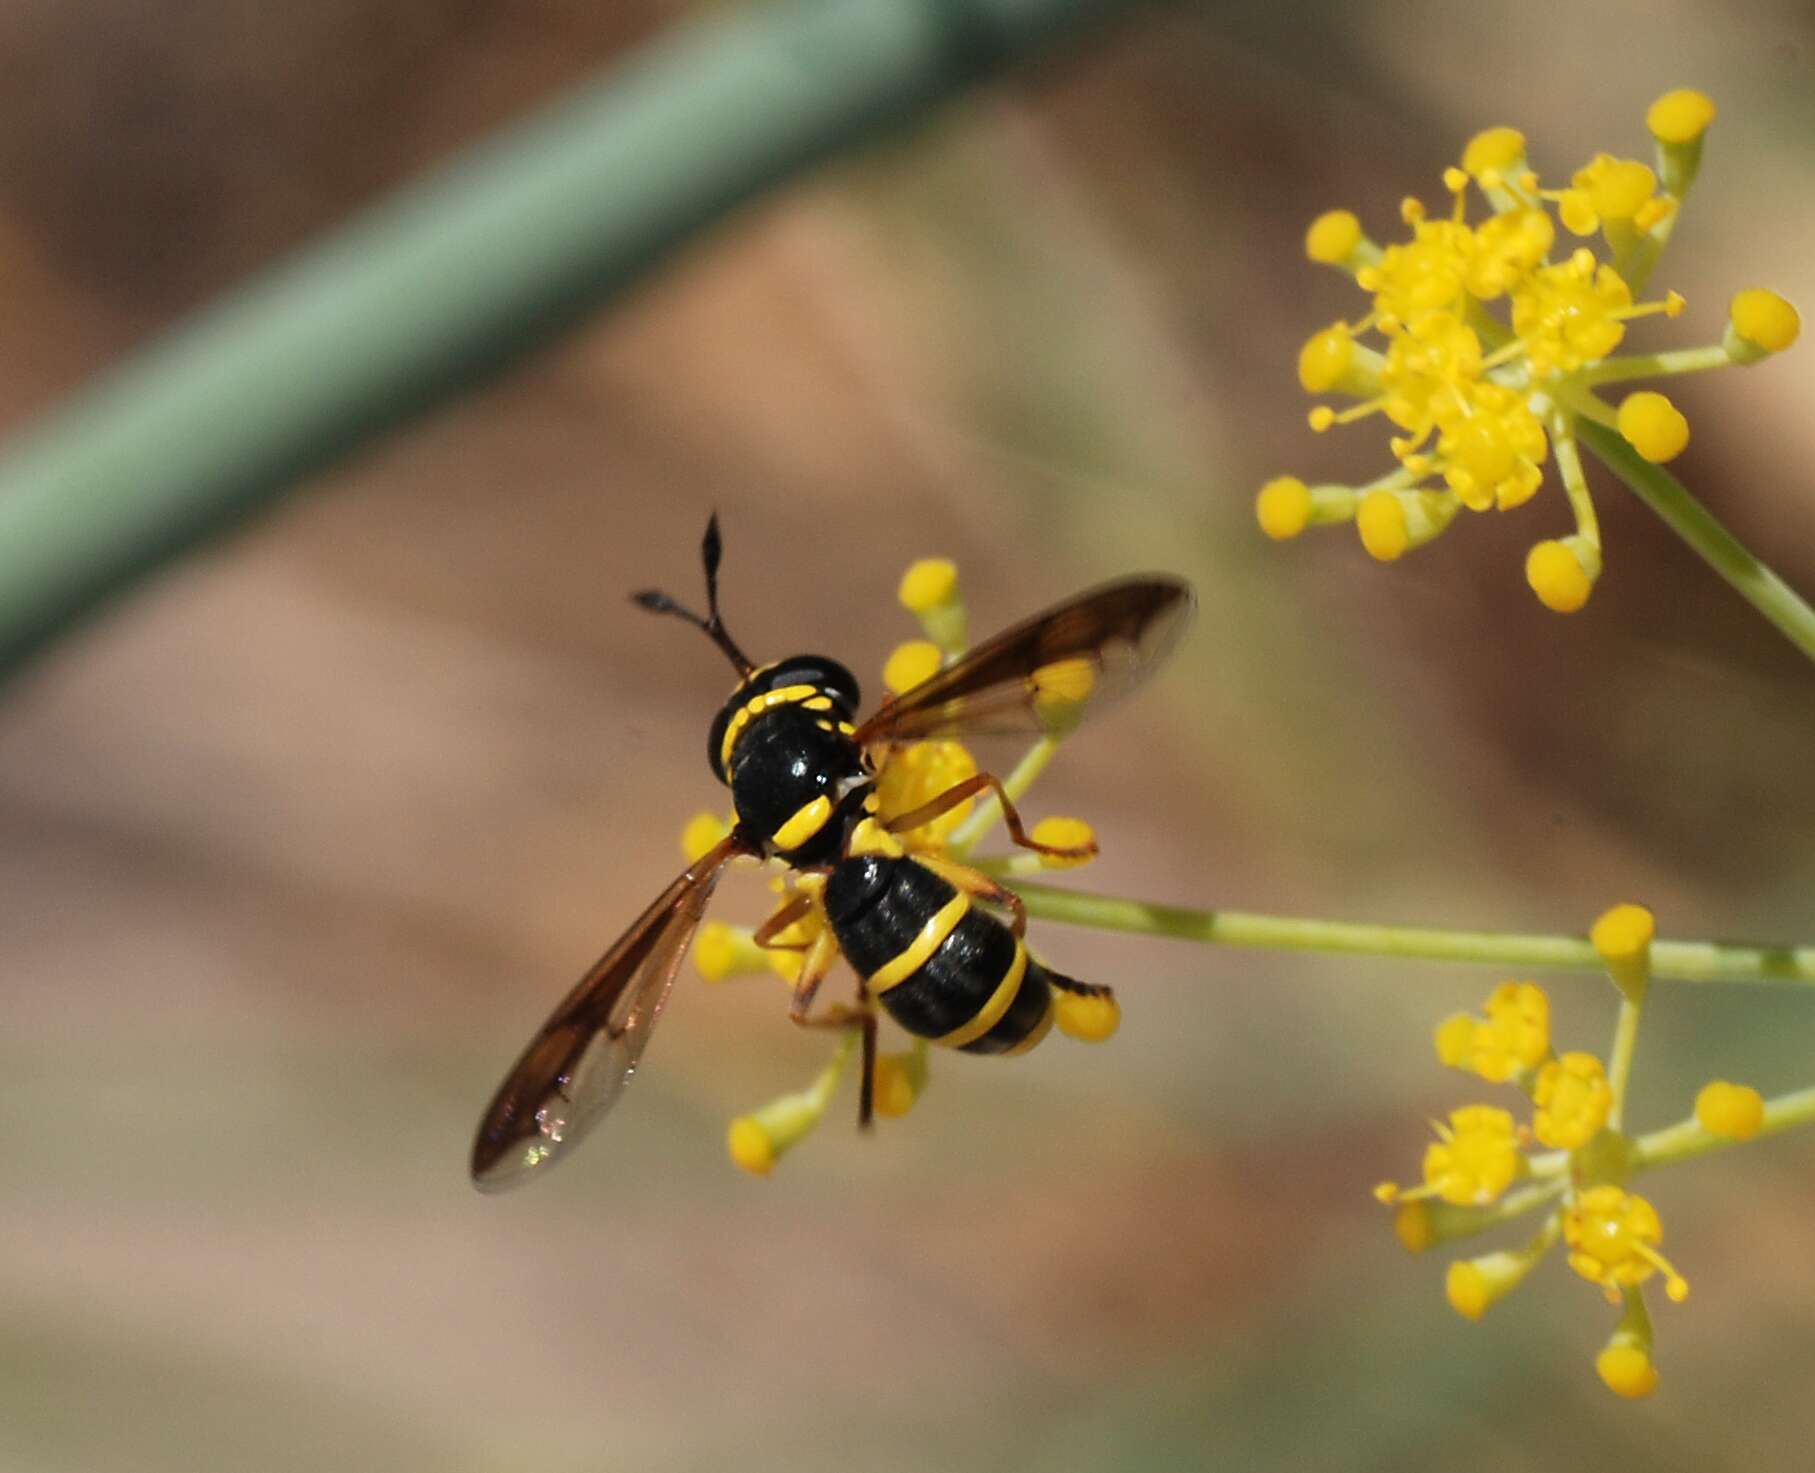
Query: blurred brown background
(299, 844)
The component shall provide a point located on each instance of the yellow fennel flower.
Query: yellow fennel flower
(1653, 426)
(1736, 1111)
(701, 833)
(1485, 343)
(1570, 314)
(1492, 447)
(1574, 1100)
(1513, 1037)
(1475, 1157)
(1625, 1367)
(1763, 320)
(916, 774)
(1612, 1236)
(1474, 1285)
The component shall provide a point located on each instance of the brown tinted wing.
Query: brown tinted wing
(1045, 675)
(576, 1067)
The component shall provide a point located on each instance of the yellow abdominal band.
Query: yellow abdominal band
(991, 1012)
(913, 956)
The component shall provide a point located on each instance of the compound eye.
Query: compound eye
(827, 674)
(715, 741)
(843, 686)
(833, 679)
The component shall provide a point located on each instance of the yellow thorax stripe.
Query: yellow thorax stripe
(991, 1012)
(913, 956)
(870, 837)
(806, 821)
(755, 706)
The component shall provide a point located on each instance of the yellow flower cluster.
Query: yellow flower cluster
(1492, 337)
(1482, 1170)
(908, 776)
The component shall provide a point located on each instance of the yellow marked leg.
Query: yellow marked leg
(820, 955)
(822, 951)
(969, 788)
(984, 887)
(766, 933)
(991, 1012)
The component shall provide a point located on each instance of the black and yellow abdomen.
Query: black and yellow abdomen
(943, 969)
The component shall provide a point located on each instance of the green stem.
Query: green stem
(1449, 1222)
(1575, 484)
(448, 280)
(1619, 1057)
(1635, 1318)
(1026, 773)
(1652, 365)
(1493, 333)
(819, 1093)
(1718, 547)
(1688, 1138)
(1679, 961)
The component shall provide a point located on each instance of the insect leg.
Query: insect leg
(969, 788)
(790, 913)
(975, 882)
(821, 953)
(1071, 984)
(866, 1092)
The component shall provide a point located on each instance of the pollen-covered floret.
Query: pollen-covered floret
(1763, 321)
(900, 1081)
(929, 590)
(1736, 1111)
(703, 831)
(1089, 1017)
(1612, 1236)
(914, 775)
(1474, 1285)
(1561, 571)
(1512, 1037)
(1626, 1369)
(1474, 1158)
(1283, 507)
(755, 1142)
(1574, 1100)
(1622, 937)
(1485, 341)
(1653, 426)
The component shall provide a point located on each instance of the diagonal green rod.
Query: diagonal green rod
(446, 281)
(1712, 542)
(1677, 961)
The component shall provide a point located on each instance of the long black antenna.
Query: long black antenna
(711, 550)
